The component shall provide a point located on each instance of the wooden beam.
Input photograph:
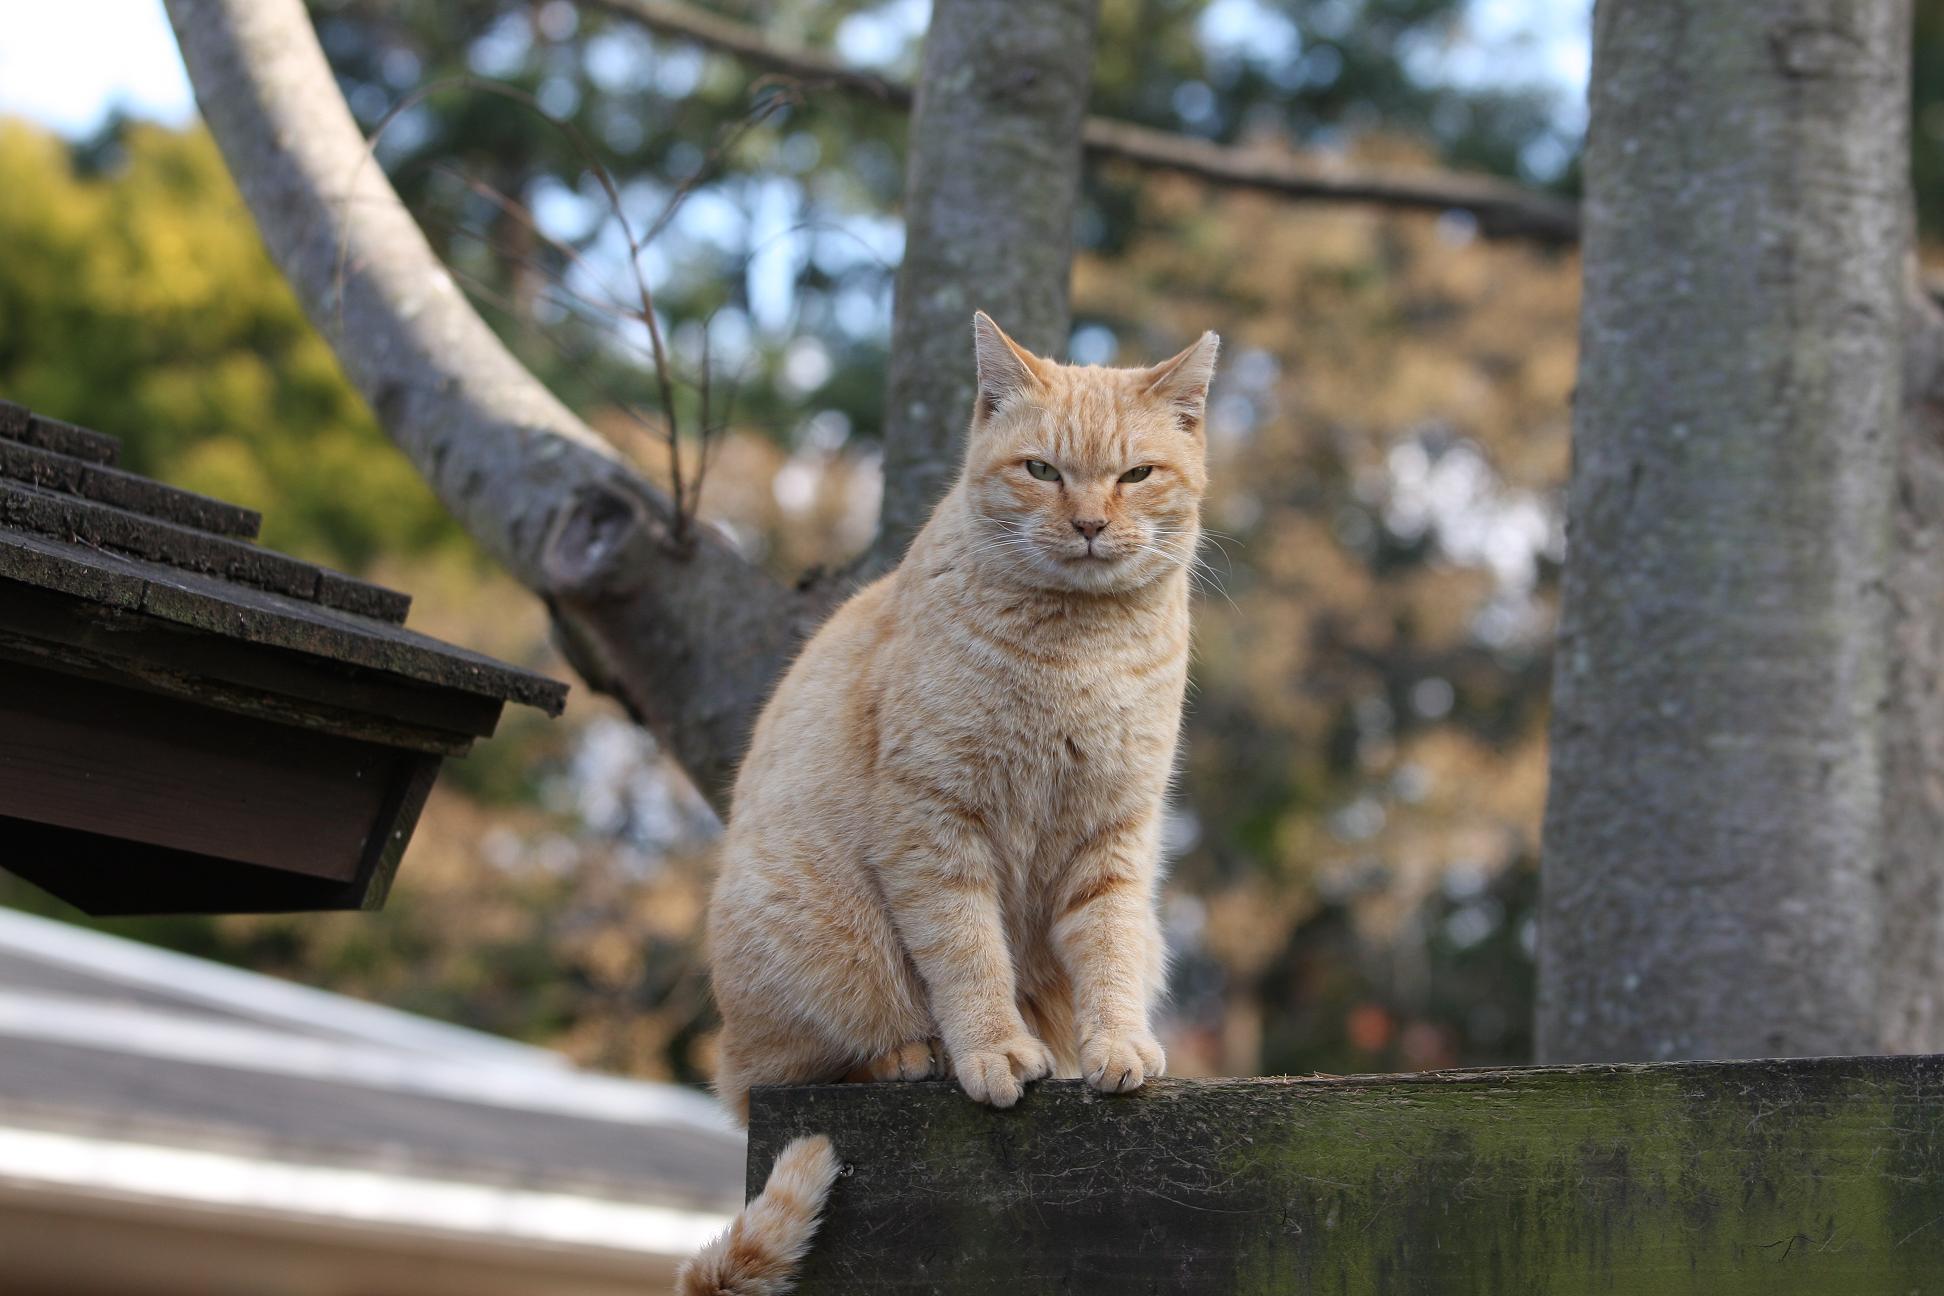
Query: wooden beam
(1710, 1179)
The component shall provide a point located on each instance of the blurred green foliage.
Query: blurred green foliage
(1927, 132)
(135, 297)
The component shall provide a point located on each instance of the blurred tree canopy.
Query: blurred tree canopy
(1359, 806)
(1927, 100)
(785, 243)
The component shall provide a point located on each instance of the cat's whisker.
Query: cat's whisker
(1219, 536)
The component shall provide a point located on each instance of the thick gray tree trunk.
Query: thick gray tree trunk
(1718, 876)
(1910, 1006)
(991, 184)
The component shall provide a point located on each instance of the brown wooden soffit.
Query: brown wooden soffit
(191, 723)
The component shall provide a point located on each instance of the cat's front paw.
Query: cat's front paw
(1117, 1063)
(998, 1075)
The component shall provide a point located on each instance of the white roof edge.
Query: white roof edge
(43, 1160)
(141, 1031)
(252, 993)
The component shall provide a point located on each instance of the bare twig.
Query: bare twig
(686, 493)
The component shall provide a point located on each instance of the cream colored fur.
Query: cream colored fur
(943, 849)
(759, 1253)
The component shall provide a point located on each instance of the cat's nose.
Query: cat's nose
(1090, 528)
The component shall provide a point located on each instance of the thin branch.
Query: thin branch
(1501, 208)
(711, 164)
(613, 311)
(690, 22)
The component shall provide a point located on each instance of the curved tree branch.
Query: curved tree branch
(1501, 208)
(687, 635)
(690, 22)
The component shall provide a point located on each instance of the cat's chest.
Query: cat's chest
(1040, 718)
(1044, 747)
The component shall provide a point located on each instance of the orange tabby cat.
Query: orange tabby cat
(943, 852)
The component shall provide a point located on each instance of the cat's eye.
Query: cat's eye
(1042, 470)
(1137, 474)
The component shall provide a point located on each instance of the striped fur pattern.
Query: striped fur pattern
(943, 853)
(759, 1253)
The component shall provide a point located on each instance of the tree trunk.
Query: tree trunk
(1722, 754)
(992, 181)
(1910, 1005)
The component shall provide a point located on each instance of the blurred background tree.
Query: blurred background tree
(1357, 829)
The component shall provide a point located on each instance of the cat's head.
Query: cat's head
(1084, 478)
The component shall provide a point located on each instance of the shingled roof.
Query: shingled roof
(191, 722)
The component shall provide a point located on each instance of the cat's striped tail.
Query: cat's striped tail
(759, 1254)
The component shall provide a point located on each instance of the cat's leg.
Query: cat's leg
(810, 975)
(732, 1090)
(1108, 935)
(941, 885)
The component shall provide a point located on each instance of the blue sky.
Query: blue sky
(69, 63)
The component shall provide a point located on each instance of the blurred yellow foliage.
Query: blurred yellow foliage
(137, 299)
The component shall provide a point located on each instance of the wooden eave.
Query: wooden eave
(191, 722)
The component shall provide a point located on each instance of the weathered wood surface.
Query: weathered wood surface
(1812, 1176)
(123, 801)
(68, 475)
(86, 756)
(261, 617)
(29, 508)
(18, 423)
(127, 649)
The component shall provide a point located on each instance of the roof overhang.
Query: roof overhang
(191, 723)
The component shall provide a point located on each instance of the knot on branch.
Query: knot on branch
(1815, 50)
(596, 548)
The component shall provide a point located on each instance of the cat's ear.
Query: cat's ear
(1182, 383)
(1005, 368)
